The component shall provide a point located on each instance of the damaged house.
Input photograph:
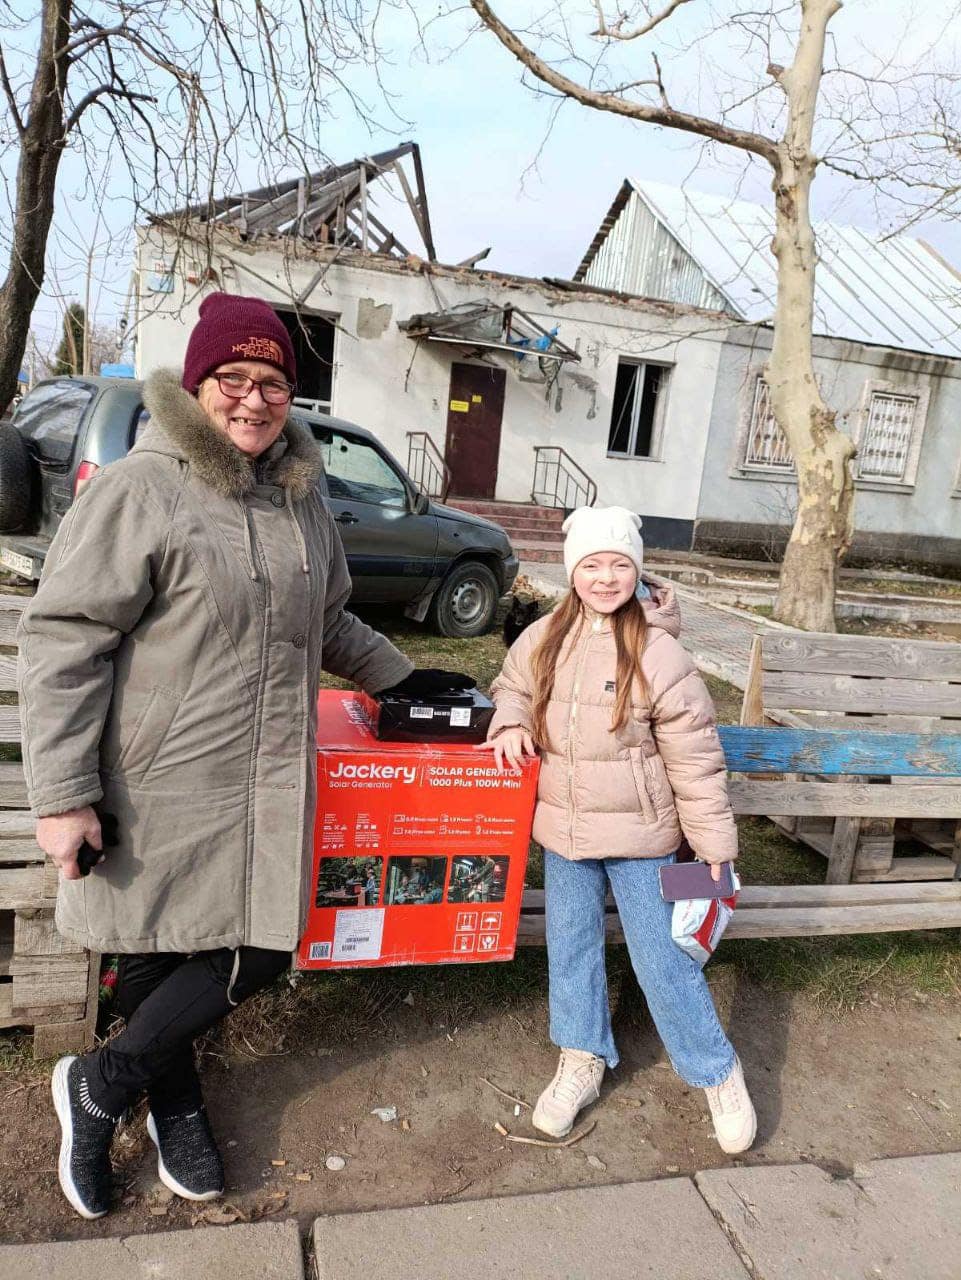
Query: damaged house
(489, 386)
(638, 383)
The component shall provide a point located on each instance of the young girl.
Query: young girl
(630, 761)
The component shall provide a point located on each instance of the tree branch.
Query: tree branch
(76, 48)
(615, 33)
(670, 118)
(103, 90)
(11, 99)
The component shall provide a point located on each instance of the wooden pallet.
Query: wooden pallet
(865, 683)
(45, 983)
(801, 911)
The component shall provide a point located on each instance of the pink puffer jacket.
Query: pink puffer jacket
(629, 794)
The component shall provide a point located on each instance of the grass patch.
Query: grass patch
(726, 697)
(480, 657)
(17, 1061)
(838, 974)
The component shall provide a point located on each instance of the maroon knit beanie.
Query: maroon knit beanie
(233, 328)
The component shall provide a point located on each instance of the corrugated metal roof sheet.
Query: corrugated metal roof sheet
(892, 293)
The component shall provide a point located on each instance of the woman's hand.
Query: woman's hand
(509, 747)
(61, 835)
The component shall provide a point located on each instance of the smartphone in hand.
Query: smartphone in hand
(87, 855)
(681, 880)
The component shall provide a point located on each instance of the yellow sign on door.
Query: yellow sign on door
(476, 400)
(459, 406)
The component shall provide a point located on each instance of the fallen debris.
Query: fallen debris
(543, 1142)
(504, 1094)
(385, 1114)
(335, 1163)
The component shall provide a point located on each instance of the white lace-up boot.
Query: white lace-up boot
(576, 1083)
(732, 1111)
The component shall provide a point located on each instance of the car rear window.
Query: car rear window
(49, 417)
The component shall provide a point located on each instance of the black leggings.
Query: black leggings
(167, 1001)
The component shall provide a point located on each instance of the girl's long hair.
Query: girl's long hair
(629, 624)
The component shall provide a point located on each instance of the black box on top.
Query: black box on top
(448, 717)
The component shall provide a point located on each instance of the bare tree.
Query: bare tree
(174, 95)
(823, 524)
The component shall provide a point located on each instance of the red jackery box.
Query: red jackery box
(420, 849)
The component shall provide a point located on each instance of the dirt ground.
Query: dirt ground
(882, 1080)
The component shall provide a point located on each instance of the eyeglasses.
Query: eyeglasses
(237, 385)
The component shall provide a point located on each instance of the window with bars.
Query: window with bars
(886, 442)
(640, 394)
(767, 446)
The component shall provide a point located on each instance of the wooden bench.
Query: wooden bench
(44, 983)
(772, 911)
(873, 684)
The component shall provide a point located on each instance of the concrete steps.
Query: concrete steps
(539, 552)
(534, 531)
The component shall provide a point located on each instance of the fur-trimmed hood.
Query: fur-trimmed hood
(179, 428)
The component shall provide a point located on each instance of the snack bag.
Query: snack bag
(698, 924)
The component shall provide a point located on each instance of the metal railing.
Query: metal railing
(426, 465)
(559, 481)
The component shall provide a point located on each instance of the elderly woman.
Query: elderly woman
(170, 662)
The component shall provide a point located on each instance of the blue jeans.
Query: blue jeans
(673, 984)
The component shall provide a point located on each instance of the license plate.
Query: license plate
(15, 561)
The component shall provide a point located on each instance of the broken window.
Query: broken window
(640, 393)
(885, 447)
(313, 342)
(767, 445)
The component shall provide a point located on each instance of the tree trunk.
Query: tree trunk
(822, 529)
(42, 142)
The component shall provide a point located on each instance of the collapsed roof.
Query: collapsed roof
(330, 207)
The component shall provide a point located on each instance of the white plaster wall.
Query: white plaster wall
(929, 507)
(390, 385)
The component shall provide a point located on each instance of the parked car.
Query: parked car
(402, 548)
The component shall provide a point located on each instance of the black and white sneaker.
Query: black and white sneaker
(188, 1161)
(86, 1133)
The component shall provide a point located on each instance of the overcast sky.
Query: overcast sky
(498, 173)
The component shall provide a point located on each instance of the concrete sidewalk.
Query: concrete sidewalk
(716, 636)
(891, 1220)
(264, 1251)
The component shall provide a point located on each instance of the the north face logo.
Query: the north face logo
(260, 349)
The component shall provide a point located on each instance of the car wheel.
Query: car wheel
(466, 601)
(16, 480)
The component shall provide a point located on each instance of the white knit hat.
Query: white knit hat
(593, 529)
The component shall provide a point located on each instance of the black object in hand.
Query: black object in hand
(428, 682)
(87, 855)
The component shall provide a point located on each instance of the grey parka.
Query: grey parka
(169, 667)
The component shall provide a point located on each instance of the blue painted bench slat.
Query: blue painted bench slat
(838, 751)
